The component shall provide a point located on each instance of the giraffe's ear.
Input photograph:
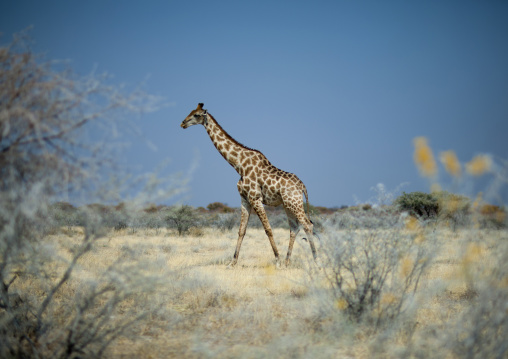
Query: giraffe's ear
(200, 106)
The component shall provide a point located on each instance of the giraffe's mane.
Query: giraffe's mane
(231, 138)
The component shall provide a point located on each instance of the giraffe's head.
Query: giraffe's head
(196, 117)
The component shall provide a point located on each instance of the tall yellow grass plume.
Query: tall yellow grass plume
(424, 157)
(412, 224)
(478, 201)
(479, 165)
(451, 163)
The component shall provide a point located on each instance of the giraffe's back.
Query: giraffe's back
(279, 187)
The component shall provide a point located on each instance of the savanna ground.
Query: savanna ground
(201, 308)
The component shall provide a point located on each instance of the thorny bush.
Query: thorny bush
(374, 273)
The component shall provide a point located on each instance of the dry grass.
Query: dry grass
(204, 309)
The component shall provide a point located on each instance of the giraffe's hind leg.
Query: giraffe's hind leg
(309, 231)
(307, 225)
(294, 228)
(257, 205)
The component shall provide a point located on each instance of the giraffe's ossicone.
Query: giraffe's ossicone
(260, 184)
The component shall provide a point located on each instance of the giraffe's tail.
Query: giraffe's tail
(304, 189)
(307, 202)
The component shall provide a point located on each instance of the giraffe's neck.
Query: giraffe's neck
(232, 151)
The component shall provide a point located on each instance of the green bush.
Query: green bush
(419, 204)
(182, 218)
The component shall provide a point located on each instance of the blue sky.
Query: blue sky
(333, 91)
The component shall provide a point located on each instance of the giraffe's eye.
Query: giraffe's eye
(196, 115)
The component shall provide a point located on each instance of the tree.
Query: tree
(183, 218)
(44, 154)
(419, 204)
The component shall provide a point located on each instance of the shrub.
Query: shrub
(227, 221)
(356, 218)
(182, 218)
(419, 204)
(454, 209)
(153, 220)
(482, 329)
(373, 274)
(63, 214)
(492, 216)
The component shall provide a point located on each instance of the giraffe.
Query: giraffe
(260, 184)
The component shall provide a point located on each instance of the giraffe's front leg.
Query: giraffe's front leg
(246, 209)
(257, 205)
